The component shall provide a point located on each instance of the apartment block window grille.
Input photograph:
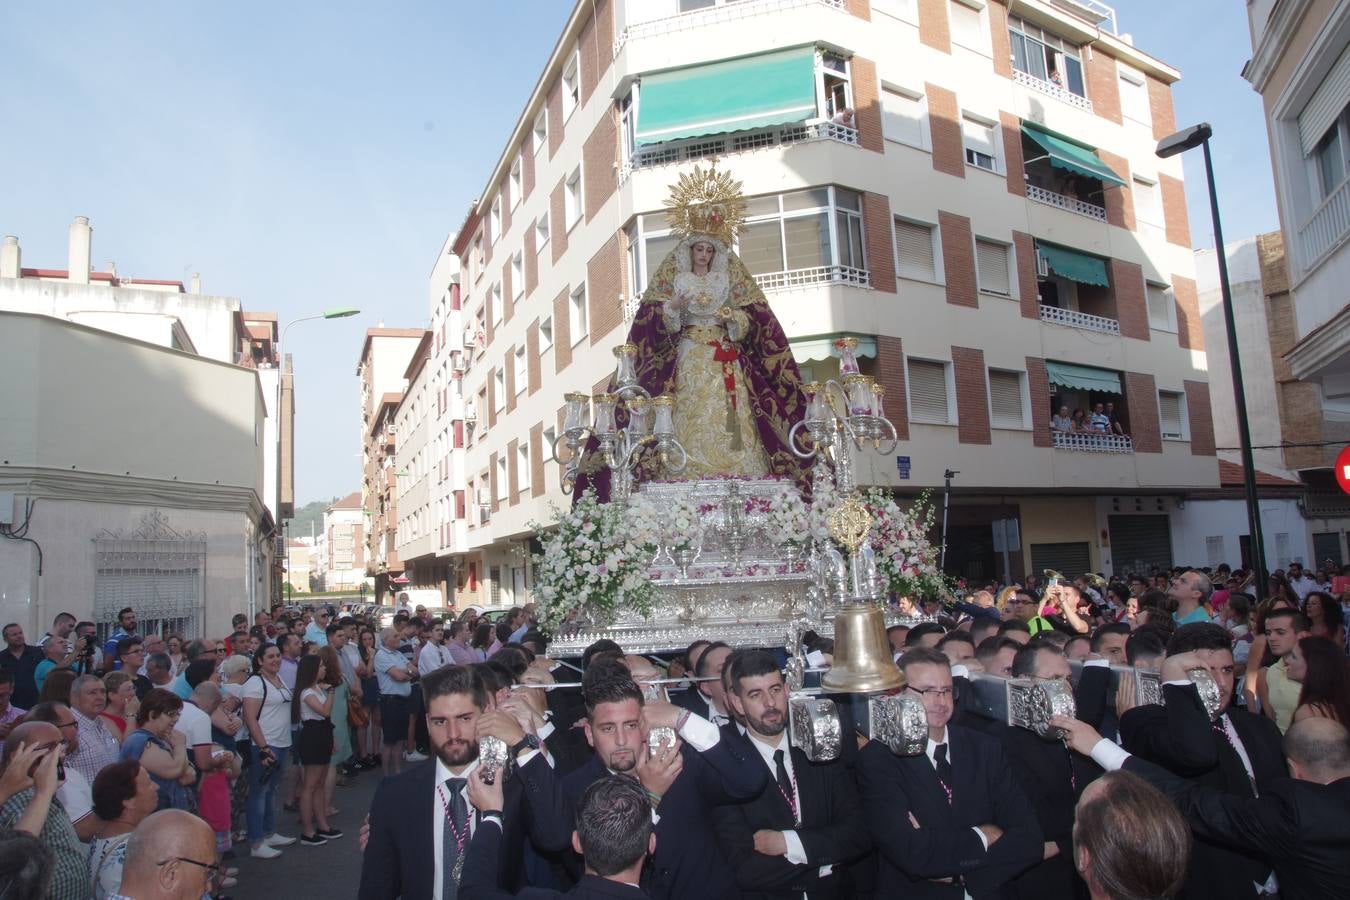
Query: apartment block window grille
(160, 572)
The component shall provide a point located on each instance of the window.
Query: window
(1172, 415)
(522, 375)
(517, 275)
(572, 198)
(502, 487)
(836, 89)
(979, 141)
(628, 123)
(1214, 550)
(576, 315)
(495, 221)
(902, 117)
(514, 182)
(1329, 157)
(571, 85)
(1007, 408)
(498, 390)
(497, 305)
(927, 384)
(1147, 207)
(1134, 96)
(523, 466)
(967, 23)
(914, 242)
(991, 264)
(541, 232)
(550, 435)
(1046, 56)
(540, 130)
(1161, 307)
(545, 334)
(478, 259)
(1282, 557)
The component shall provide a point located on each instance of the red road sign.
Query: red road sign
(1343, 469)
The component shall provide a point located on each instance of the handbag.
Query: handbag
(357, 717)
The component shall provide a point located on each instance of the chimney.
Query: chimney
(81, 239)
(196, 284)
(11, 261)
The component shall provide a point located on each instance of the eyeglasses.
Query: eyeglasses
(938, 693)
(212, 870)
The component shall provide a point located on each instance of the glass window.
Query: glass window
(815, 198)
(761, 247)
(850, 239)
(1330, 158)
(915, 243)
(902, 117)
(807, 241)
(979, 142)
(546, 334)
(1045, 56)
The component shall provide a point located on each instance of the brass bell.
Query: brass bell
(862, 655)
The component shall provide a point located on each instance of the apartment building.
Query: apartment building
(1300, 66)
(966, 186)
(342, 548)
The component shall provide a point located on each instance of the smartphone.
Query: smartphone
(659, 738)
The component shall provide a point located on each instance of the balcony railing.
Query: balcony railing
(721, 12)
(1072, 204)
(1092, 443)
(1050, 89)
(1325, 504)
(794, 278)
(1074, 319)
(672, 152)
(1327, 227)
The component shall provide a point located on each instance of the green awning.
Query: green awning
(1074, 158)
(817, 349)
(1083, 378)
(732, 95)
(1073, 265)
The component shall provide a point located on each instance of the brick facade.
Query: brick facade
(599, 163)
(562, 332)
(1028, 296)
(944, 128)
(860, 8)
(1119, 200)
(509, 371)
(1012, 149)
(1038, 388)
(1141, 401)
(972, 395)
(867, 104)
(1177, 224)
(1190, 332)
(489, 327)
(604, 36)
(890, 373)
(508, 295)
(1127, 283)
(557, 219)
(604, 285)
(513, 472)
(1160, 103)
(587, 51)
(1103, 83)
(877, 231)
(533, 368)
(1201, 418)
(492, 398)
(554, 117)
(531, 261)
(934, 29)
(537, 460)
(999, 41)
(527, 166)
(958, 259)
(492, 481)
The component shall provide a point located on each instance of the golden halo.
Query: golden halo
(706, 202)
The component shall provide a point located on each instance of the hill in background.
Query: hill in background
(298, 527)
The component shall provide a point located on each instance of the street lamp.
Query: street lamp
(1181, 141)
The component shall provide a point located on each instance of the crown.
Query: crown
(706, 203)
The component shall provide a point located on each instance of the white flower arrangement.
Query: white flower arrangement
(682, 526)
(904, 555)
(786, 521)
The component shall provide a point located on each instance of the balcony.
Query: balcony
(1050, 89)
(796, 278)
(673, 152)
(715, 12)
(1072, 318)
(1091, 443)
(1326, 228)
(1067, 203)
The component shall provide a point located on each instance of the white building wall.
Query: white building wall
(1285, 530)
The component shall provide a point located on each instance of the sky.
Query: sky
(303, 156)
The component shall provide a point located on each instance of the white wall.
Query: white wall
(1200, 519)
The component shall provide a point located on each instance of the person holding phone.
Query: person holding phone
(31, 776)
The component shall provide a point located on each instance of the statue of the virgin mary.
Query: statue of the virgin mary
(706, 336)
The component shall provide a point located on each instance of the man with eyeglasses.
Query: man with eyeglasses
(950, 822)
(317, 631)
(171, 856)
(36, 747)
(75, 793)
(130, 655)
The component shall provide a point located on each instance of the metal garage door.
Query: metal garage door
(1140, 544)
(1070, 560)
(1326, 545)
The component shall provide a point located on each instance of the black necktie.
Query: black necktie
(785, 786)
(944, 769)
(454, 838)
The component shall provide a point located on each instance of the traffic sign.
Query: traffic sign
(1343, 469)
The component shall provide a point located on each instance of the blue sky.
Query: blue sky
(303, 156)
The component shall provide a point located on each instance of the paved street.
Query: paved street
(332, 871)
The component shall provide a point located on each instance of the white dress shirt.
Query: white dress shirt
(433, 657)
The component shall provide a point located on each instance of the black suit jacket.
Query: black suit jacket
(399, 859)
(688, 863)
(832, 833)
(1301, 828)
(944, 845)
(482, 863)
(1180, 738)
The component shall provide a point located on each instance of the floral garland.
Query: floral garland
(905, 557)
(786, 520)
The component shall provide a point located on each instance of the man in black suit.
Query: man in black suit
(705, 768)
(803, 827)
(707, 698)
(613, 834)
(421, 820)
(1239, 755)
(1300, 826)
(689, 697)
(950, 822)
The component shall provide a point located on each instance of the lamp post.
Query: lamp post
(1181, 141)
(340, 312)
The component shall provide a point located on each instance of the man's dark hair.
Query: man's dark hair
(120, 614)
(493, 677)
(506, 675)
(1109, 628)
(1297, 620)
(455, 626)
(1153, 599)
(982, 627)
(701, 670)
(1137, 843)
(113, 788)
(956, 637)
(1024, 661)
(454, 680)
(238, 619)
(198, 670)
(1013, 625)
(1144, 642)
(923, 656)
(608, 683)
(160, 661)
(536, 638)
(504, 631)
(516, 659)
(61, 617)
(332, 629)
(1057, 639)
(614, 825)
(748, 664)
(85, 624)
(600, 646)
(48, 711)
(124, 645)
(26, 865)
(193, 649)
(1199, 636)
(920, 631)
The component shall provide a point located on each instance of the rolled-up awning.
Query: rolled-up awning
(1071, 157)
(1073, 265)
(817, 349)
(732, 95)
(1083, 378)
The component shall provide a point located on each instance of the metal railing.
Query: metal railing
(721, 12)
(1326, 228)
(670, 153)
(1062, 201)
(1074, 319)
(1092, 443)
(1325, 504)
(794, 278)
(1050, 89)
(630, 307)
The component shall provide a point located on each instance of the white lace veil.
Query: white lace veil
(684, 262)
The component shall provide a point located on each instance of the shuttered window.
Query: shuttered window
(1005, 399)
(1159, 307)
(979, 141)
(1134, 96)
(902, 117)
(991, 263)
(915, 243)
(1322, 111)
(928, 391)
(1170, 420)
